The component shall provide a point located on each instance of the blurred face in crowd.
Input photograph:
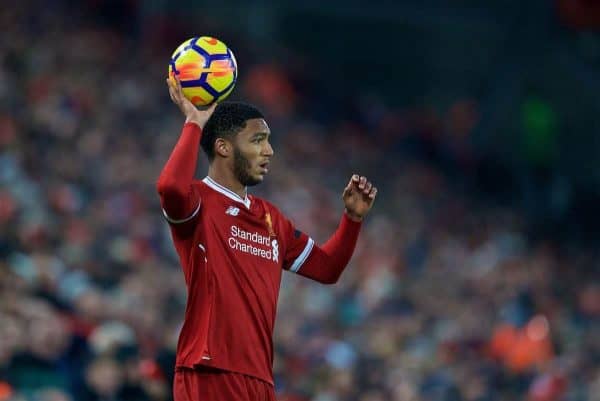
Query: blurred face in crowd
(252, 152)
(92, 305)
(10, 338)
(105, 377)
(49, 337)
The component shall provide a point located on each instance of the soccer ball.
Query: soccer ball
(206, 68)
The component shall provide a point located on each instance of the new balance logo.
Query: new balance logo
(232, 211)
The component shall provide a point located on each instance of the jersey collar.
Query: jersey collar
(227, 192)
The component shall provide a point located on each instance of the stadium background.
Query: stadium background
(476, 276)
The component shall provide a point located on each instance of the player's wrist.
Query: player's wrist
(192, 120)
(353, 216)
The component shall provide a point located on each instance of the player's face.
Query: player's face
(252, 152)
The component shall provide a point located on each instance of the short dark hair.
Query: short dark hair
(227, 120)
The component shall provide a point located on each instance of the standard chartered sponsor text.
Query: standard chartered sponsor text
(238, 234)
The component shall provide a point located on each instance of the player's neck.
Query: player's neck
(227, 179)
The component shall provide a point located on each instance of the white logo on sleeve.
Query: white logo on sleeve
(232, 211)
(275, 246)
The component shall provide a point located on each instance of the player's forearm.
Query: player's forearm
(327, 262)
(174, 184)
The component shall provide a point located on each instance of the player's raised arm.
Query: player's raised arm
(179, 200)
(326, 263)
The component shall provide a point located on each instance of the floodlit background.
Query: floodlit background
(476, 274)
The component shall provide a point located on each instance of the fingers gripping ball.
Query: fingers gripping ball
(206, 68)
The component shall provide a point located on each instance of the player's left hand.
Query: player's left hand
(358, 197)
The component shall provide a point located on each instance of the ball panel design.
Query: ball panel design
(198, 95)
(211, 45)
(181, 47)
(221, 75)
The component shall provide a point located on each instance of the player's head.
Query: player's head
(238, 135)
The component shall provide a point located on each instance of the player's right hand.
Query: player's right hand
(191, 113)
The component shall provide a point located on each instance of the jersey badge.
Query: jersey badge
(269, 223)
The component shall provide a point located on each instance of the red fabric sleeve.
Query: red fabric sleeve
(178, 197)
(326, 263)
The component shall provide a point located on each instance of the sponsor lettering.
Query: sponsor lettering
(246, 241)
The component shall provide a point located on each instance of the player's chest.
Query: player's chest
(248, 235)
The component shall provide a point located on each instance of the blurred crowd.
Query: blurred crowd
(447, 298)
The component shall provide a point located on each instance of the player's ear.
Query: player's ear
(223, 147)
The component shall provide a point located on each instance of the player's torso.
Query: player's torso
(241, 250)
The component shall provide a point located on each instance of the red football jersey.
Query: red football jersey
(233, 251)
